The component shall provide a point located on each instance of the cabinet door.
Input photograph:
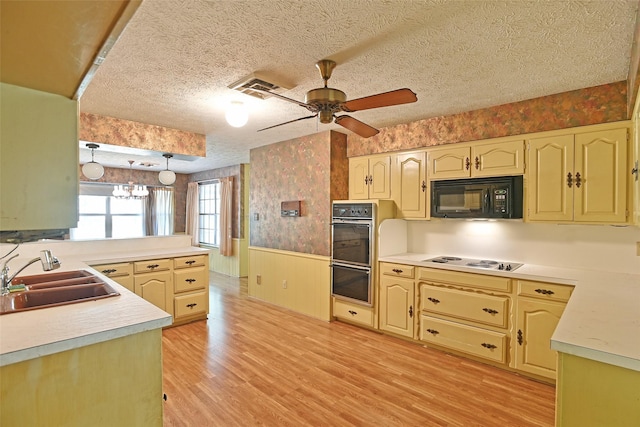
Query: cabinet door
(449, 163)
(358, 178)
(549, 196)
(535, 322)
(408, 180)
(503, 158)
(380, 177)
(601, 185)
(153, 287)
(396, 305)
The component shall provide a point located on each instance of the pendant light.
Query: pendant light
(167, 177)
(92, 169)
(130, 191)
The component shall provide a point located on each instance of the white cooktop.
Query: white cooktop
(485, 264)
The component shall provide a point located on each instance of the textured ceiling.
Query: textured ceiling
(173, 63)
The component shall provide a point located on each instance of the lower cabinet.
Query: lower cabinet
(397, 295)
(538, 309)
(355, 313)
(179, 286)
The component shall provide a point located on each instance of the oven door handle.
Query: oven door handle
(351, 266)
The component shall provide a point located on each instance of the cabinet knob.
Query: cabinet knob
(434, 300)
(489, 346)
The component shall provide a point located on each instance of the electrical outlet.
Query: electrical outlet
(259, 279)
(284, 284)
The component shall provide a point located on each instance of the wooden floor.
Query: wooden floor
(254, 364)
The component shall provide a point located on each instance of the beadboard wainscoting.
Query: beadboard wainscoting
(297, 281)
(235, 265)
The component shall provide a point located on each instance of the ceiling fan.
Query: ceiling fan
(325, 102)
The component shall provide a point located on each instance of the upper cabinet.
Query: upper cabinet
(408, 184)
(369, 177)
(38, 160)
(478, 160)
(578, 177)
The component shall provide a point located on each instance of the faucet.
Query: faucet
(49, 262)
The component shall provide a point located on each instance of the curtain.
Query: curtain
(226, 202)
(159, 211)
(192, 213)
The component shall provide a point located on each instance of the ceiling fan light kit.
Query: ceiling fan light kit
(92, 170)
(325, 102)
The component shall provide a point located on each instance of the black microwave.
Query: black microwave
(499, 197)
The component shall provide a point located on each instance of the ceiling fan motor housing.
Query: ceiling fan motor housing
(327, 101)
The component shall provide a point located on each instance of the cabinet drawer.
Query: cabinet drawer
(482, 281)
(115, 270)
(398, 270)
(487, 309)
(151, 265)
(190, 305)
(543, 290)
(189, 261)
(189, 279)
(468, 339)
(353, 312)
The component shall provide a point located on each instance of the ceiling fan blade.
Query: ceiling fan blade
(356, 126)
(284, 98)
(386, 99)
(290, 121)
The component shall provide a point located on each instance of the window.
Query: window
(209, 212)
(102, 215)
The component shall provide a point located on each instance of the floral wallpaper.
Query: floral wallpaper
(301, 169)
(599, 104)
(125, 133)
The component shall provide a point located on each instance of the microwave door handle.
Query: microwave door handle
(486, 201)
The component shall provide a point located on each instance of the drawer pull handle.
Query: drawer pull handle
(434, 300)
(578, 180)
(489, 346)
(410, 311)
(544, 291)
(397, 270)
(477, 163)
(520, 336)
(569, 180)
(190, 262)
(189, 280)
(467, 163)
(152, 266)
(490, 311)
(192, 305)
(109, 270)
(433, 332)
(353, 313)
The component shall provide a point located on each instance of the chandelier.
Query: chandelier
(130, 191)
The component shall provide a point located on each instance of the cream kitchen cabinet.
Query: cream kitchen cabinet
(370, 177)
(578, 177)
(397, 296)
(465, 312)
(409, 188)
(152, 280)
(355, 313)
(191, 288)
(478, 160)
(121, 272)
(538, 310)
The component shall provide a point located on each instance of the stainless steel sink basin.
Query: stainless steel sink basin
(50, 290)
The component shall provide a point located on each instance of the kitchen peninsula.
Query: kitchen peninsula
(90, 363)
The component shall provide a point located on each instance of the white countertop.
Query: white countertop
(602, 319)
(35, 333)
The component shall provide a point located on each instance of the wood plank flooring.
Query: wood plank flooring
(254, 364)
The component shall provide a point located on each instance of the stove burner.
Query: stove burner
(440, 260)
(451, 258)
(487, 261)
(479, 264)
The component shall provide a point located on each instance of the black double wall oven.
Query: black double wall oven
(352, 240)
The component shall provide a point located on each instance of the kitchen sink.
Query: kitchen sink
(55, 289)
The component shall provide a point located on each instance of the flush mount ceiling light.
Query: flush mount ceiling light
(167, 177)
(236, 114)
(130, 191)
(92, 170)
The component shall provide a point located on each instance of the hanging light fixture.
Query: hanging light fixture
(236, 115)
(92, 169)
(167, 177)
(130, 191)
